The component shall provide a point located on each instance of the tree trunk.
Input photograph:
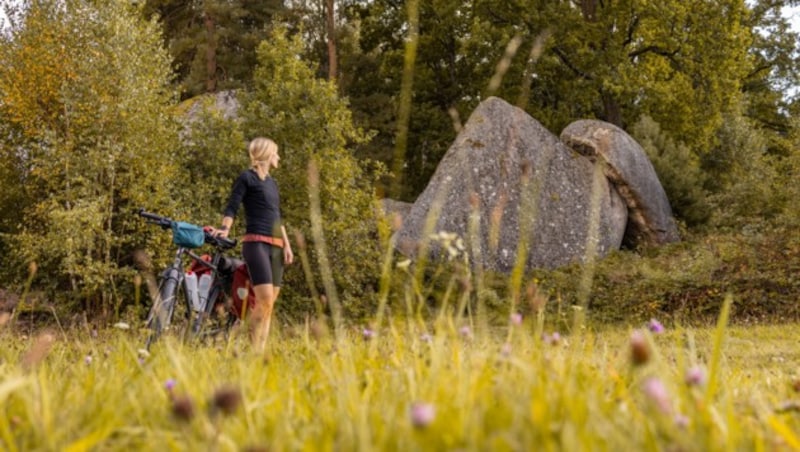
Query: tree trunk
(589, 8)
(211, 53)
(331, 26)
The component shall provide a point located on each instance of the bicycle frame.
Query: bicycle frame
(172, 280)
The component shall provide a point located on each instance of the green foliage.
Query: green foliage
(687, 282)
(678, 171)
(213, 151)
(308, 120)
(744, 180)
(95, 141)
(213, 42)
(682, 64)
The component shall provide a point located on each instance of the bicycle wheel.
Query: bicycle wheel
(164, 306)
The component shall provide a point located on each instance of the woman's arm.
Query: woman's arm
(288, 255)
(223, 230)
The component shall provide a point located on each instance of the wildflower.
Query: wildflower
(183, 408)
(655, 390)
(505, 350)
(422, 414)
(426, 337)
(551, 339)
(88, 359)
(404, 264)
(368, 334)
(466, 332)
(226, 399)
(516, 318)
(655, 326)
(640, 350)
(170, 384)
(681, 420)
(695, 376)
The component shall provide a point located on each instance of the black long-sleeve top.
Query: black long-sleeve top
(261, 203)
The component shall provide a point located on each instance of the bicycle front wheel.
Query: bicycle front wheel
(164, 305)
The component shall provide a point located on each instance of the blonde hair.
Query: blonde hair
(261, 150)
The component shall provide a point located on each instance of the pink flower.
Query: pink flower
(368, 334)
(466, 332)
(551, 339)
(516, 318)
(170, 384)
(655, 390)
(422, 414)
(695, 376)
(655, 326)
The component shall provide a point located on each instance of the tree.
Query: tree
(84, 86)
(309, 121)
(213, 42)
(684, 64)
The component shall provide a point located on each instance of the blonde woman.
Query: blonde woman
(265, 246)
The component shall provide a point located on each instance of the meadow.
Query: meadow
(405, 385)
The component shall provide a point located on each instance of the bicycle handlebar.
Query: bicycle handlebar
(166, 223)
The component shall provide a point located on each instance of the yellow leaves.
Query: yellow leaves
(34, 68)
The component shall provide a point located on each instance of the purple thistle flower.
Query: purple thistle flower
(368, 334)
(655, 390)
(655, 326)
(516, 319)
(170, 384)
(422, 414)
(695, 376)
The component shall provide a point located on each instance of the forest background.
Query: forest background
(94, 96)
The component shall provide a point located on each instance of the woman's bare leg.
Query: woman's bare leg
(261, 315)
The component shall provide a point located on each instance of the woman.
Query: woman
(265, 246)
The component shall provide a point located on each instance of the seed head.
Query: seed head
(226, 399)
(183, 408)
(640, 349)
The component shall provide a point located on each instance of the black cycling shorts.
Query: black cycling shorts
(264, 263)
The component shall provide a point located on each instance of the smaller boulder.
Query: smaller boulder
(627, 167)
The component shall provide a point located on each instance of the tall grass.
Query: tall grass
(406, 386)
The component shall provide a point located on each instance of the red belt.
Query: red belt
(263, 238)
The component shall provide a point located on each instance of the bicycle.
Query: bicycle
(177, 279)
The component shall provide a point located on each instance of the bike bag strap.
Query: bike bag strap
(274, 241)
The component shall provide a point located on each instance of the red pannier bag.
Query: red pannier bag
(242, 291)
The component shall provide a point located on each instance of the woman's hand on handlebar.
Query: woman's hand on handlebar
(221, 232)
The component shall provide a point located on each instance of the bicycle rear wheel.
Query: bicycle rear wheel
(163, 307)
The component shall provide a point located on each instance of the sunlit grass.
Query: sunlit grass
(405, 386)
